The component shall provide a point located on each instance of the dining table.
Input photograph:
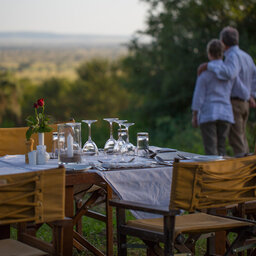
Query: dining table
(132, 178)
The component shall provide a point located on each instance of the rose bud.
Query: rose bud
(40, 102)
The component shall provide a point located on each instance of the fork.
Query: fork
(182, 157)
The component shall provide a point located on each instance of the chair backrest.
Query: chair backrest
(12, 140)
(201, 185)
(32, 196)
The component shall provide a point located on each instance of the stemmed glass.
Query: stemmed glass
(90, 148)
(128, 148)
(120, 141)
(110, 143)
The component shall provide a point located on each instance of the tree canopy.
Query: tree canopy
(163, 72)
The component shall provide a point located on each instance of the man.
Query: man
(238, 65)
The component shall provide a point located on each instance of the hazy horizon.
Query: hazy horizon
(98, 17)
(48, 40)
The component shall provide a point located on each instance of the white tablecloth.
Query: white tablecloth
(147, 185)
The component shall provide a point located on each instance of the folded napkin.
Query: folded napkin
(120, 165)
(162, 150)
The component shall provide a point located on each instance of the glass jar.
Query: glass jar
(142, 144)
(69, 143)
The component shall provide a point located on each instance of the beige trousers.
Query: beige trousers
(237, 134)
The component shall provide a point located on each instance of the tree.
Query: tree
(10, 110)
(162, 73)
(57, 93)
(98, 92)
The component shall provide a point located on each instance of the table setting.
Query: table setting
(135, 172)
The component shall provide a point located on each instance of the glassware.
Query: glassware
(69, 143)
(110, 143)
(54, 153)
(90, 148)
(120, 142)
(128, 148)
(142, 144)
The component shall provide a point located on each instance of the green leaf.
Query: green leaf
(48, 129)
(29, 132)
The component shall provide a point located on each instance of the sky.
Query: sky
(105, 17)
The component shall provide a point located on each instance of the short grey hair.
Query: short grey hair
(229, 36)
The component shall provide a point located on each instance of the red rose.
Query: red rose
(40, 102)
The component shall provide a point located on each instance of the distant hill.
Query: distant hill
(37, 39)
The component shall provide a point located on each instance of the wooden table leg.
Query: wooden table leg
(109, 223)
(69, 212)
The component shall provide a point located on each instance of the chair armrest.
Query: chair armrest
(62, 223)
(142, 207)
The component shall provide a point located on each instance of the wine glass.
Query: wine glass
(120, 141)
(128, 148)
(110, 143)
(90, 148)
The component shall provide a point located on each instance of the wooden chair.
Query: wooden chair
(33, 197)
(12, 140)
(196, 187)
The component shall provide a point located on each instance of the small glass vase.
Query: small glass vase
(40, 138)
(29, 147)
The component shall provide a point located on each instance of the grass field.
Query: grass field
(38, 64)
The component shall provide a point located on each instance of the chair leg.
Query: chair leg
(153, 249)
(121, 238)
(169, 224)
(62, 235)
(79, 228)
(5, 231)
(239, 242)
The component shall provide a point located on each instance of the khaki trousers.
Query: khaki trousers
(214, 136)
(237, 134)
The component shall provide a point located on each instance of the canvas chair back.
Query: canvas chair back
(201, 185)
(12, 140)
(32, 196)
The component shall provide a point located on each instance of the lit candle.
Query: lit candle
(70, 145)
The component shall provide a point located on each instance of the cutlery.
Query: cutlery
(122, 161)
(100, 168)
(183, 157)
(160, 160)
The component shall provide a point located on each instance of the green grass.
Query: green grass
(95, 232)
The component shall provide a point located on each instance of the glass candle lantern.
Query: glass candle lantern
(69, 143)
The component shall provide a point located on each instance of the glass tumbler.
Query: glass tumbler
(69, 143)
(142, 144)
(54, 145)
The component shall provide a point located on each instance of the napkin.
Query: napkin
(135, 164)
(162, 150)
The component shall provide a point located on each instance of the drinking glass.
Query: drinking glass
(128, 148)
(142, 144)
(54, 145)
(110, 143)
(90, 148)
(120, 142)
